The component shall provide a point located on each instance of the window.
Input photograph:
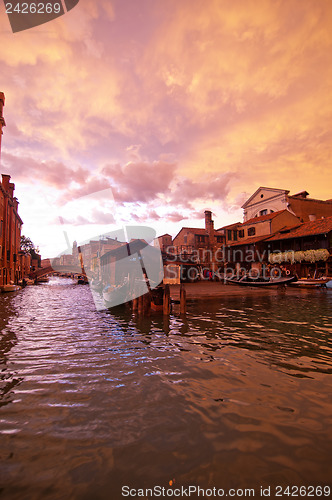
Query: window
(201, 238)
(241, 233)
(229, 234)
(263, 212)
(251, 231)
(219, 239)
(185, 239)
(235, 235)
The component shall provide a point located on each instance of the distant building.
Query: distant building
(92, 252)
(201, 242)
(266, 200)
(163, 242)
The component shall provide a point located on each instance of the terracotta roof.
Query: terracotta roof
(230, 226)
(249, 241)
(263, 218)
(319, 226)
(198, 230)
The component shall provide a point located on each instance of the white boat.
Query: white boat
(311, 282)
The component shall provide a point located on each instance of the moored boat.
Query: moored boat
(116, 295)
(10, 288)
(260, 281)
(311, 282)
(43, 279)
(82, 280)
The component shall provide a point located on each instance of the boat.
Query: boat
(82, 280)
(97, 285)
(43, 279)
(115, 295)
(260, 281)
(10, 288)
(311, 282)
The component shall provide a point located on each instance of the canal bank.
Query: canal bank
(207, 290)
(232, 395)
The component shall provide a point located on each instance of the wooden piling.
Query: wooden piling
(146, 304)
(135, 304)
(167, 301)
(183, 299)
(140, 304)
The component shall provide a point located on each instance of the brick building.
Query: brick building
(10, 223)
(163, 242)
(10, 233)
(200, 242)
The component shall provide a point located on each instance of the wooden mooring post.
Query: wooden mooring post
(167, 301)
(147, 304)
(183, 299)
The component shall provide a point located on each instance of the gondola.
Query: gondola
(311, 282)
(260, 281)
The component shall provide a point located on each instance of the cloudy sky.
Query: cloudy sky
(155, 110)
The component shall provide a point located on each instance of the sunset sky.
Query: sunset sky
(169, 106)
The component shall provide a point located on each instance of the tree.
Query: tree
(28, 246)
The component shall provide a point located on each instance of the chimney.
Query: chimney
(15, 200)
(5, 182)
(2, 103)
(209, 225)
(11, 188)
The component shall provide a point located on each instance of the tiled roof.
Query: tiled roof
(198, 230)
(230, 226)
(319, 226)
(263, 218)
(249, 241)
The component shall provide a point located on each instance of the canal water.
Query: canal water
(238, 394)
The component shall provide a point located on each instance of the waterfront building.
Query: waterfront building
(10, 232)
(164, 242)
(199, 244)
(134, 260)
(92, 252)
(242, 232)
(24, 260)
(10, 223)
(304, 249)
(267, 200)
(244, 241)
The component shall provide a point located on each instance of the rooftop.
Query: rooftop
(319, 226)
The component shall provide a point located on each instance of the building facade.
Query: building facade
(266, 200)
(10, 224)
(10, 233)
